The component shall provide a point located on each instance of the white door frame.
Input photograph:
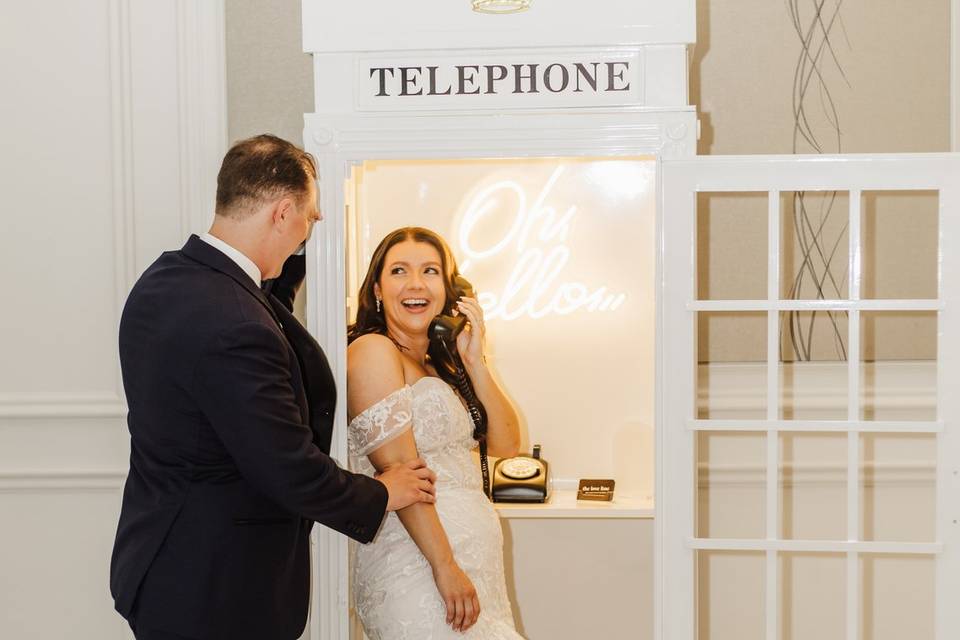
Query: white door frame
(341, 141)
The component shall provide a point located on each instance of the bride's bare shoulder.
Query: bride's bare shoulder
(374, 371)
(372, 345)
(372, 350)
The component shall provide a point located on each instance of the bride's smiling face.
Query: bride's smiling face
(411, 287)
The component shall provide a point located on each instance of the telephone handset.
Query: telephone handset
(446, 360)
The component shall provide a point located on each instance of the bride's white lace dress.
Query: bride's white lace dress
(393, 588)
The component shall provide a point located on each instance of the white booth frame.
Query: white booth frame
(677, 543)
(339, 142)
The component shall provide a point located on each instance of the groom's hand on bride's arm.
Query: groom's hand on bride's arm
(408, 483)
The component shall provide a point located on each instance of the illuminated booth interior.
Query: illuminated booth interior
(560, 251)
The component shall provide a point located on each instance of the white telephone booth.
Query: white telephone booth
(556, 155)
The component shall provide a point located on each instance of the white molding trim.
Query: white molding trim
(121, 87)
(183, 113)
(872, 474)
(740, 386)
(122, 158)
(202, 106)
(62, 405)
(62, 480)
(667, 133)
(330, 593)
(813, 546)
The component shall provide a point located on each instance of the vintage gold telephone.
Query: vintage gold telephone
(521, 479)
(445, 358)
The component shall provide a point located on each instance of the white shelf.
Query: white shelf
(563, 503)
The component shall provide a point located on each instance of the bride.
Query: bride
(433, 571)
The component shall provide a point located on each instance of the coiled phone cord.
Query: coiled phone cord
(477, 413)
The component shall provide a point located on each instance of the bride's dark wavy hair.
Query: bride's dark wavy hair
(369, 320)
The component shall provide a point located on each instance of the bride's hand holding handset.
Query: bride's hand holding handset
(503, 432)
(470, 342)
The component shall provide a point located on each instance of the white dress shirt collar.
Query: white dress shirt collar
(242, 261)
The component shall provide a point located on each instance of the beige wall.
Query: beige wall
(895, 56)
(269, 78)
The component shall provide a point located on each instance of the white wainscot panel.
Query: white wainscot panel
(157, 108)
(66, 201)
(55, 557)
(119, 130)
(69, 446)
(178, 116)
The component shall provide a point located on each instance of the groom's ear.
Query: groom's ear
(280, 211)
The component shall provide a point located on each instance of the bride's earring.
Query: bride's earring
(378, 305)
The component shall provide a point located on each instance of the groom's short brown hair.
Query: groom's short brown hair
(262, 168)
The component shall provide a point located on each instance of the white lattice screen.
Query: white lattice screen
(680, 586)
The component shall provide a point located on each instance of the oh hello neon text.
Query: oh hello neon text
(538, 284)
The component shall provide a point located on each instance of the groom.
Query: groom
(231, 407)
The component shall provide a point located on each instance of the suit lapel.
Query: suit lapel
(198, 250)
(286, 326)
(202, 252)
(319, 385)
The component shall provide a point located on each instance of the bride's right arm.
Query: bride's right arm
(374, 371)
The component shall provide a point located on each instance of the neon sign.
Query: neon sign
(537, 284)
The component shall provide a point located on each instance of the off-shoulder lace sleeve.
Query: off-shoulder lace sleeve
(381, 422)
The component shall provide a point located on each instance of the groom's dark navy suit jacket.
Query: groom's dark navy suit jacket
(231, 407)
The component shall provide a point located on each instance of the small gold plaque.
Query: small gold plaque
(595, 490)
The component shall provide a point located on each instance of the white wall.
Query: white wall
(114, 125)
